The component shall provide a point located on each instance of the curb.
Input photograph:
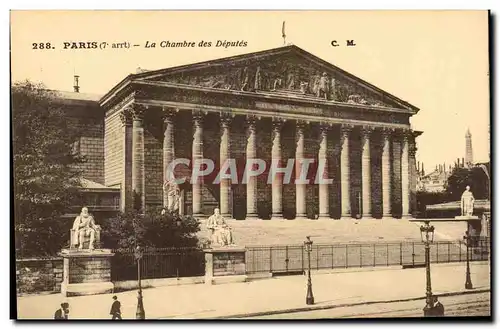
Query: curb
(326, 307)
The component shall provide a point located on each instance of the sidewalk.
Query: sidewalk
(282, 294)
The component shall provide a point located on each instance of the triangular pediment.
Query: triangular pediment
(286, 70)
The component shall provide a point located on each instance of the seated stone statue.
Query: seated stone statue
(85, 230)
(221, 234)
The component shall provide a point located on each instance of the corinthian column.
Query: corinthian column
(405, 179)
(366, 174)
(251, 153)
(197, 156)
(324, 204)
(168, 150)
(386, 175)
(345, 180)
(126, 201)
(277, 183)
(300, 187)
(138, 181)
(225, 183)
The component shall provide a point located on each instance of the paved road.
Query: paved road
(463, 305)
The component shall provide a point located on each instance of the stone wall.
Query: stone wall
(39, 275)
(113, 151)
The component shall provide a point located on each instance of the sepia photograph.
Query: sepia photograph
(250, 165)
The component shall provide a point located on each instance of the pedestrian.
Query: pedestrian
(62, 313)
(115, 309)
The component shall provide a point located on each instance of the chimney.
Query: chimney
(423, 171)
(76, 88)
(463, 162)
(418, 167)
(458, 162)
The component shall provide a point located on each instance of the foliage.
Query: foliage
(152, 229)
(425, 198)
(45, 178)
(461, 177)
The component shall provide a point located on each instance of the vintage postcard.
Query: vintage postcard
(251, 164)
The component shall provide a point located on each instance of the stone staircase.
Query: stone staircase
(289, 232)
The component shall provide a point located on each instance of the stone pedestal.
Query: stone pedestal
(86, 272)
(225, 265)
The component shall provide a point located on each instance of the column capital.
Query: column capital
(137, 111)
(126, 117)
(301, 124)
(324, 128)
(366, 131)
(278, 123)
(412, 149)
(198, 117)
(252, 119)
(168, 113)
(226, 118)
(346, 129)
(387, 133)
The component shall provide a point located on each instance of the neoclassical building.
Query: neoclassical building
(274, 105)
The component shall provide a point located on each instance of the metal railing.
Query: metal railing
(292, 259)
(158, 263)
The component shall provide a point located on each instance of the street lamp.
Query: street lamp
(468, 281)
(308, 247)
(139, 314)
(427, 235)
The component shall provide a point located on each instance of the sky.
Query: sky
(435, 60)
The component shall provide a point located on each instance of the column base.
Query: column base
(406, 216)
(387, 217)
(346, 217)
(301, 217)
(277, 217)
(252, 216)
(324, 217)
(368, 216)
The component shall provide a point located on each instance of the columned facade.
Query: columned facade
(262, 116)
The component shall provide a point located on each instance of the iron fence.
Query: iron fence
(293, 258)
(158, 263)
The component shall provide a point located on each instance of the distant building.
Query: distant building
(436, 180)
(469, 160)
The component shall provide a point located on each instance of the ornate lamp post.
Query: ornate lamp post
(308, 246)
(139, 314)
(427, 235)
(467, 240)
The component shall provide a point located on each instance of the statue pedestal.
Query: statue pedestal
(86, 272)
(225, 265)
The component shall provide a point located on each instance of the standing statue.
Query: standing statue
(258, 79)
(244, 79)
(221, 232)
(173, 193)
(467, 202)
(323, 86)
(84, 226)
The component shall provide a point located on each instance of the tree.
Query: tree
(461, 177)
(45, 176)
(152, 229)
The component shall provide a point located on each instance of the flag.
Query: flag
(283, 30)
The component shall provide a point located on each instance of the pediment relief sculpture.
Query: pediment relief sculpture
(283, 77)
